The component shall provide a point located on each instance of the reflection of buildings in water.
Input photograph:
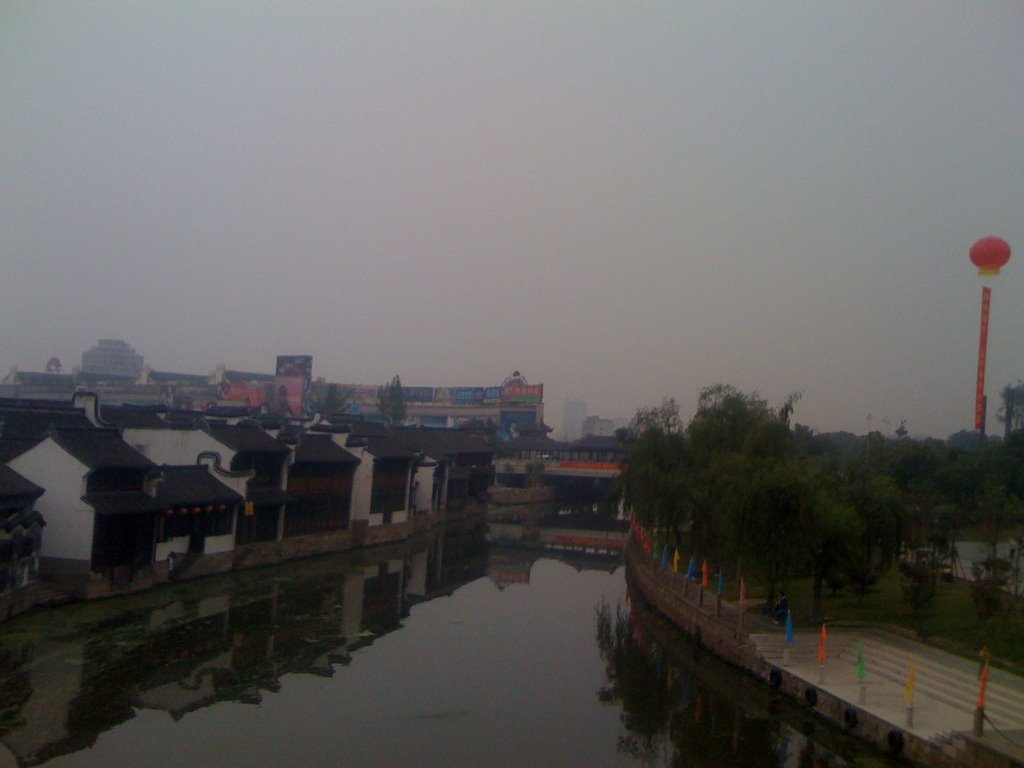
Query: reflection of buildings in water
(504, 570)
(56, 697)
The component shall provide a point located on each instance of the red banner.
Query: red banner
(522, 393)
(979, 395)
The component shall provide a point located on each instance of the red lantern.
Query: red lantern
(196, 510)
(169, 512)
(989, 255)
(209, 507)
(183, 511)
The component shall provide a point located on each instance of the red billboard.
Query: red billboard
(522, 393)
(292, 379)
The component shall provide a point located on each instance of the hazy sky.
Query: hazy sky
(624, 201)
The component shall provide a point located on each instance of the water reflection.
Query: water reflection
(68, 675)
(508, 655)
(683, 707)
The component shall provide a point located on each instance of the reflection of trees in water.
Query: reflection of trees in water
(675, 712)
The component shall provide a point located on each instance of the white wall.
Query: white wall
(176, 446)
(213, 545)
(69, 520)
(423, 484)
(362, 481)
(352, 605)
(417, 574)
(177, 545)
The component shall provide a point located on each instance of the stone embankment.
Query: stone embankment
(503, 494)
(937, 726)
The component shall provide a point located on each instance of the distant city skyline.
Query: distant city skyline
(558, 421)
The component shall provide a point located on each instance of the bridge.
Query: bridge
(559, 468)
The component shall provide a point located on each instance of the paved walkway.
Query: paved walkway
(944, 695)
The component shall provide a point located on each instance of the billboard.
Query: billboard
(250, 393)
(522, 393)
(292, 379)
(509, 394)
(418, 394)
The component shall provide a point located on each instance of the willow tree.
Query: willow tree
(734, 439)
(653, 477)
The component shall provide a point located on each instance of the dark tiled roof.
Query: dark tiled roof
(84, 377)
(122, 503)
(11, 448)
(24, 519)
(14, 486)
(50, 380)
(101, 448)
(321, 449)
(532, 443)
(164, 377)
(440, 442)
(596, 443)
(35, 419)
(389, 448)
(184, 420)
(368, 429)
(135, 416)
(246, 436)
(191, 486)
(228, 411)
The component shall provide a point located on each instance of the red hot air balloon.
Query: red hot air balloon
(990, 254)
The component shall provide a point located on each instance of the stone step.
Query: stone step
(951, 681)
(955, 674)
(1002, 706)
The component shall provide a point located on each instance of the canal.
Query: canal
(439, 652)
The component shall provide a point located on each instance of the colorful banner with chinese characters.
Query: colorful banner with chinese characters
(522, 393)
(979, 395)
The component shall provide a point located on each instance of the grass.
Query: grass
(950, 622)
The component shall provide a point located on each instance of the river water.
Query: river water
(439, 652)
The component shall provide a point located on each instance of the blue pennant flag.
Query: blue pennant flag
(721, 583)
(666, 557)
(691, 569)
(789, 627)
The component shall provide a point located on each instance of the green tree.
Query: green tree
(877, 532)
(653, 481)
(1011, 407)
(334, 399)
(663, 418)
(534, 473)
(391, 403)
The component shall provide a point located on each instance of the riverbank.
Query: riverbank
(45, 593)
(937, 730)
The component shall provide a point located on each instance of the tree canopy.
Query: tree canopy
(739, 485)
(391, 403)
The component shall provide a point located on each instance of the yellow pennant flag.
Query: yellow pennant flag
(908, 695)
(675, 561)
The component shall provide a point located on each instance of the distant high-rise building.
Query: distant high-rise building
(112, 357)
(572, 419)
(598, 427)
